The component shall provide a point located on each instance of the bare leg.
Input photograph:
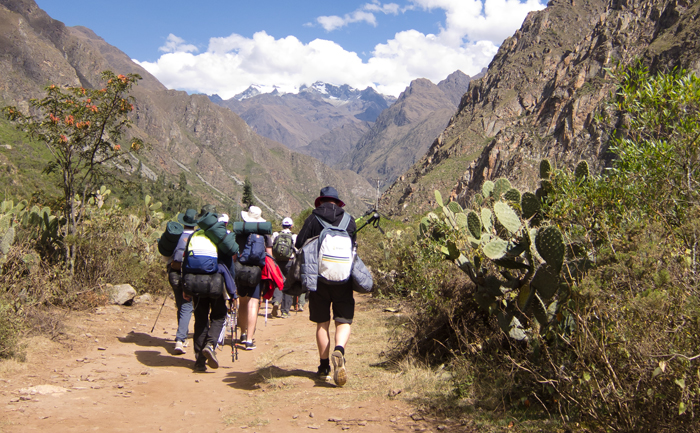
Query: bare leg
(243, 314)
(342, 334)
(253, 307)
(323, 339)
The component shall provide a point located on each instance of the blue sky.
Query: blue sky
(225, 46)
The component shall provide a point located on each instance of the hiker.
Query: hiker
(327, 297)
(208, 281)
(184, 307)
(250, 295)
(283, 252)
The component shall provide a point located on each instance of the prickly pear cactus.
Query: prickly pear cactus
(515, 262)
(582, 171)
(545, 169)
(7, 240)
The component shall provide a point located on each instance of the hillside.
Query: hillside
(403, 132)
(540, 93)
(212, 145)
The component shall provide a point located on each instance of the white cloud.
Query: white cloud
(173, 44)
(468, 41)
(363, 14)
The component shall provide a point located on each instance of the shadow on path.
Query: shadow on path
(153, 358)
(254, 379)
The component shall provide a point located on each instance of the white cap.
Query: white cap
(223, 218)
(287, 222)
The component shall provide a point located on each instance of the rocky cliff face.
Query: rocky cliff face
(540, 93)
(211, 144)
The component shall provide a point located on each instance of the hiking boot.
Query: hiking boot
(340, 376)
(200, 365)
(209, 353)
(249, 345)
(179, 348)
(275, 310)
(243, 338)
(324, 373)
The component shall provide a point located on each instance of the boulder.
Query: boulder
(121, 294)
(143, 299)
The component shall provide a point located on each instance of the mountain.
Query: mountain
(214, 147)
(297, 119)
(541, 92)
(404, 132)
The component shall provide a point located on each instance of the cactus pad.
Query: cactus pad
(550, 246)
(487, 220)
(547, 186)
(507, 217)
(7, 240)
(495, 249)
(582, 171)
(546, 281)
(450, 251)
(545, 169)
(512, 196)
(540, 311)
(500, 187)
(461, 220)
(438, 198)
(474, 224)
(487, 188)
(478, 199)
(455, 207)
(530, 205)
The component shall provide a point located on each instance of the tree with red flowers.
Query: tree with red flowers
(84, 131)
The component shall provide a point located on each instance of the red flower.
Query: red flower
(117, 147)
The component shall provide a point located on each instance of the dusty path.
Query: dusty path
(111, 374)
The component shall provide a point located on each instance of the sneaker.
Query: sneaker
(209, 353)
(243, 338)
(179, 348)
(200, 365)
(284, 315)
(300, 309)
(324, 373)
(275, 310)
(249, 345)
(340, 376)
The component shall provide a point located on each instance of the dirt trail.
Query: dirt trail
(110, 373)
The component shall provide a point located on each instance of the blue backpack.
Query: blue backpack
(253, 252)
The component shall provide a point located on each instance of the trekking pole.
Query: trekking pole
(234, 330)
(265, 312)
(161, 310)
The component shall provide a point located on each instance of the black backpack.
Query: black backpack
(283, 247)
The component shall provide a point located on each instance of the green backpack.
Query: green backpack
(283, 247)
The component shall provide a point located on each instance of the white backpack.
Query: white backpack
(336, 252)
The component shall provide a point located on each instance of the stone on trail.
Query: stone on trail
(43, 390)
(121, 294)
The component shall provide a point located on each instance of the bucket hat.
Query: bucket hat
(329, 192)
(254, 215)
(189, 218)
(207, 208)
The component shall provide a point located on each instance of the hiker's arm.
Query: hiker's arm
(186, 297)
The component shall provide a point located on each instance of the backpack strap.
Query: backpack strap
(343, 222)
(184, 254)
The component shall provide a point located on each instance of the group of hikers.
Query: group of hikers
(214, 270)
